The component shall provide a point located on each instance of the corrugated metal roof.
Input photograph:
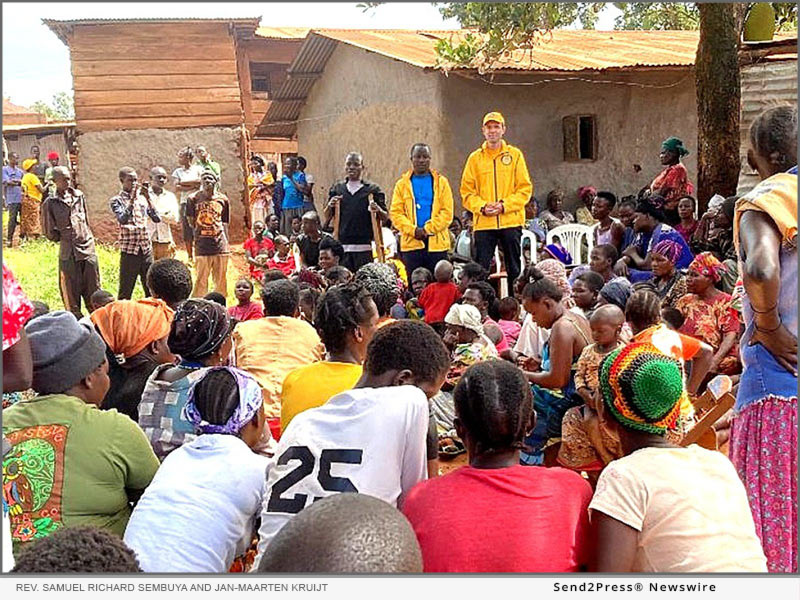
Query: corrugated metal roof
(763, 85)
(38, 126)
(561, 51)
(282, 33)
(13, 109)
(63, 28)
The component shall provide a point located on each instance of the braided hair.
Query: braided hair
(339, 311)
(773, 135)
(540, 286)
(216, 396)
(198, 329)
(380, 281)
(493, 400)
(643, 310)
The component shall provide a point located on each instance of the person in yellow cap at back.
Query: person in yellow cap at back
(495, 187)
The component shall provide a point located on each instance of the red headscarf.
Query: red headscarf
(708, 265)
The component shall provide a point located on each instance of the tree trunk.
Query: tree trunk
(718, 86)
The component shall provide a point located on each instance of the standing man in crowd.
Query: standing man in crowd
(49, 187)
(495, 187)
(187, 181)
(12, 192)
(133, 209)
(308, 196)
(66, 220)
(357, 199)
(40, 168)
(208, 212)
(422, 210)
(166, 205)
(294, 189)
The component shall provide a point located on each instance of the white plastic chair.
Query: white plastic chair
(572, 238)
(500, 274)
(528, 235)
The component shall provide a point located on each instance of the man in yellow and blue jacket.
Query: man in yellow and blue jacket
(422, 210)
(495, 187)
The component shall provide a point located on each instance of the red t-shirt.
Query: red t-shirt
(436, 299)
(517, 519)
(287, 266)
(247, 312)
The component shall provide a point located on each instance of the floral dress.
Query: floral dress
(711, 322)
(672, 290)
(675, 181)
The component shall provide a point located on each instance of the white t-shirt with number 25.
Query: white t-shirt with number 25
(367, 440)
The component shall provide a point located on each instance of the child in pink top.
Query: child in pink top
(509, 319)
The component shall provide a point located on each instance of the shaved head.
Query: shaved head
(345, 533)
(608, 313)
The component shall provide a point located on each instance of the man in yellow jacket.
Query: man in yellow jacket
(422, 210)
(495, 187)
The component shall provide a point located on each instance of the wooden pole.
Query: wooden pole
(377, 234)
(336, 214)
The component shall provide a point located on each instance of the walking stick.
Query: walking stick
(377, 234)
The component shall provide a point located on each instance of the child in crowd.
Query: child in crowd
(200, 334)
(297, 228)
(663, 508)
(420, 279)
(102, 297)
(586, 443)
(283, 259)
(509, 319)
(672, 318)
(308, 302)
(345, 533)
(246, 309)
(217, 298)
(586, 291)
(78, 549)
(199, 512)
(493, 406)
(374, 435)
(437, 298)
(338, 274)
(169, 280)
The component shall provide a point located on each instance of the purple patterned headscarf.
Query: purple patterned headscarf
(250, 401)
(669, 249)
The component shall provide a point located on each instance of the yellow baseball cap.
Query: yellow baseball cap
(494, 116)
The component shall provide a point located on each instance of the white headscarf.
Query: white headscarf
(465, 315)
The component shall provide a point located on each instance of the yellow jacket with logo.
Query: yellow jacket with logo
(403, 214)
(503, 178)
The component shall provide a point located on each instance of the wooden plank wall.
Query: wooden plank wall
(155, 75)
(261, 50)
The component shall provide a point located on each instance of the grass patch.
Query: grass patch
(35, 266)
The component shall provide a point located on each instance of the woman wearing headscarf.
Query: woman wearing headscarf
(668, 282)
(650, 229)
(465, 338)
(583, 214)
(764, 434)
(709, 313)
(71, 464)
(135, 333)
(672, 183)
(32, 192)
(557, 272)
(200, 511)
(201, 335)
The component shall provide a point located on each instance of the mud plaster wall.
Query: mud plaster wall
(377, 106)
(632, 121)
(102, 153)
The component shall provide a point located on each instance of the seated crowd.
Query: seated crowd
(308, 429)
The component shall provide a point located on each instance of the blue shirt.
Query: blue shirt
(291, 197)
(422, 186)
(13, 193)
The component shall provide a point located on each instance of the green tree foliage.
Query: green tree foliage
(60, 108)
(676, 15)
